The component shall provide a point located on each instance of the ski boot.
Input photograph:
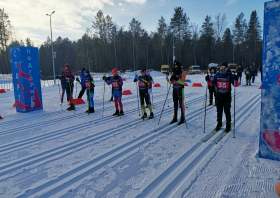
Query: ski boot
(219, 125)
(174, 120)
(147, 106)
(182, 120)
(144, 116)
(111, 99)
(121, 113)
(91, 109)
(116, 113)
(151, 115)
(228, 127)
(72, 107)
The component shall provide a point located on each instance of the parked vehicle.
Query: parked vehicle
(232, 67)
(128, 71)
(165, 69)
(194, 69)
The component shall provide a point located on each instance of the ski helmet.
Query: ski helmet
(87, 73)
(143, 70)
(224, 64)
(114, 70)
(148, 72)
(177, 69)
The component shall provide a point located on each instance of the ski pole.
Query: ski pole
(137, 94)
(153, 98)
(60, 96)
(104, 96)
(234, 112)
(167, 86)
(75, 99)
(164, 102)
(205, 106)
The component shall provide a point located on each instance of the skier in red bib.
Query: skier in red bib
(117, 84)
(222, 81)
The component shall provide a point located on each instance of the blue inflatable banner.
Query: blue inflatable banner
(26, 78)
(270, 105)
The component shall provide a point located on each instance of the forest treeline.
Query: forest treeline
(106, 45)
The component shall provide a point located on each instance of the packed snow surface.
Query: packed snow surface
(56, 153)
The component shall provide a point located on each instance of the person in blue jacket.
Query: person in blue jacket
(89, 85)
(223, 81)
(63, 87)
(117, 84)
(82, 76)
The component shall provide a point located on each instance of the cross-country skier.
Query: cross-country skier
(82, 76)
(248, 75)
(69, 77)
(211, 87)
(63, 87)
(239, 73)
(254, 71)
(143, 92)
(222, 81)
(150, 85)
(117, 84)
(89, 85)
(178, 80)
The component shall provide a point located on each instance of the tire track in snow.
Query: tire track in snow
(178, 172)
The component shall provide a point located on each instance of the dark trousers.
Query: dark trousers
(69, 92)
(223, 105)
(212, 92)
(178, 99)
(253, 77)
(144, 96)
(82, 92)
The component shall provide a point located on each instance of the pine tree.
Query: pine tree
(227, 46)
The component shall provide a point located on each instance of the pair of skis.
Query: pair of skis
(214, 132)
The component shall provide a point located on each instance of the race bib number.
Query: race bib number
(223, 85)
(142, 84)
(115, 84)
(87, 84)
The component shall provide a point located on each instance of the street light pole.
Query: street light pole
(50, 15)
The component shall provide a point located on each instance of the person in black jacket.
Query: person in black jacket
(239, 73)
(69, 77)
(144, 81)
(211, 87)
(254, 71)
(248, 76)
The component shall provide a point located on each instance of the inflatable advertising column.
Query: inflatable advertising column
(270, 105)
(26, 78)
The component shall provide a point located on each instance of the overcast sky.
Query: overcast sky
(73, 17)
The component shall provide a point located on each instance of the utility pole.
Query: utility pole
(50, 15)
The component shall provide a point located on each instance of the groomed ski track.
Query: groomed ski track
(133, 148)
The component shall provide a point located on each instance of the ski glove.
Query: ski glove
(207, 78)
(104, 78)
(134, 80)
(235, 77)
(78, 80)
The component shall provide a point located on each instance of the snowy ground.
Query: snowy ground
(55, 153)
